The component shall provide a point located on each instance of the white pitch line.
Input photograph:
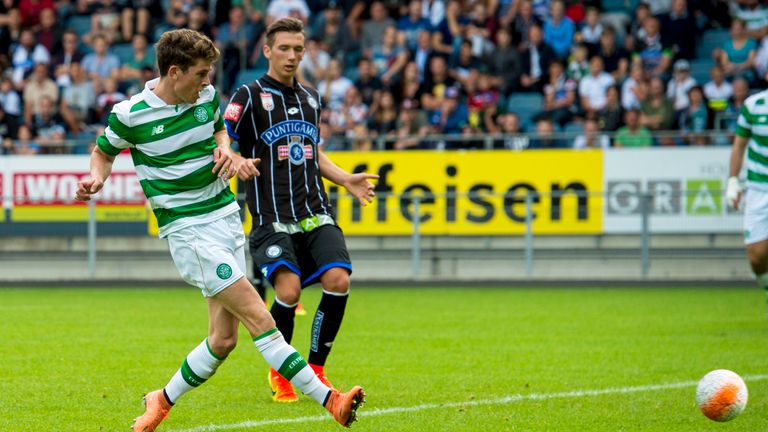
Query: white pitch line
(499, 401)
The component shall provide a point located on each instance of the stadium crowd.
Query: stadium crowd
(613, 72)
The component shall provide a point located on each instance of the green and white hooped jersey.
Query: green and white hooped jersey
(753, 124)
(172, 150)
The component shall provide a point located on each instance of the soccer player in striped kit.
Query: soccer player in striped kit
(295, 241)
(181, 152)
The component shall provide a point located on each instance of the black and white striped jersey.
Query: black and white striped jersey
(279, 125)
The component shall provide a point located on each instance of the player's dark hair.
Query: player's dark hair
(183, 48)
(288, 25)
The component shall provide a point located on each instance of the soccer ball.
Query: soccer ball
(721, 395)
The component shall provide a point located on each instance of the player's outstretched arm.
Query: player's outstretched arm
(357, 184)
(101, 168)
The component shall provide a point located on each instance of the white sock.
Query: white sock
(201, 363)
(290, 364)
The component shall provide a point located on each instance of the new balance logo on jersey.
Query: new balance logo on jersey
(157, 130)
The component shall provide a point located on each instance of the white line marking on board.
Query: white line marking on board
(498, 401)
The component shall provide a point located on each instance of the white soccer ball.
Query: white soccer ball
(721, 395)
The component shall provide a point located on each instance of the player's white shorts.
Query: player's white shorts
(755, 216)
(210, 256)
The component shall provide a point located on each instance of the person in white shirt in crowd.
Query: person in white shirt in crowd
(334, 87)
(592, 87)
(27, 54)
(591, 137)
(633, 88)
(678, 87)
(717, 90)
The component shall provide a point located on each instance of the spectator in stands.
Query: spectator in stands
(482, 102)
(350, 113)
(679, 86)
(611, 117)
(78, 100)
(50, 31)
(578, 62)
(38, 87)
(591, 137)
(450, 117)
(717, 91)
(740, 94)
(449, 29)
(130, 72)
(137, 17)
(535, 60)
(593, 87)
(368, 84)
(408, 86)
(108, 98)
(389, 57)
(409, 26)
(30, 11)
(637, 31)
(383, 118)
(412, 126)
(508, 125)
(545, 136)
(650, 51)
(236, 38)
(559, 96)
(105, 21)
(559, 30)
(633, 134)
(753, 14)
(335, 86)
(480, 30)
(27, 53)
(373, 28)
(10, 100)
(522, 23)
(591, 30)
(26, 144)
(464, 63)
(435, 84)
(504, 66)
(315, 62)
(659, 7)
(615, 58)
(198, 21)
(287, 8)
(658, 114)
(423, 52)
(634, 88)
(737, 56)
(49, 127)
(101, 63)
(678, 30)
(333, 33)
(696, 118)
(434, 10)
(9, 126)
(69, 53)
(177, 14)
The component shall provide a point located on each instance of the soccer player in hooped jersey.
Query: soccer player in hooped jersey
(295, 241)
(183, 160)
(752, 137)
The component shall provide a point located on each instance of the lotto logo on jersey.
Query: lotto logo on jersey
(233, 111)
(267, 102)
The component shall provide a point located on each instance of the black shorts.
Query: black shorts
(308, 254)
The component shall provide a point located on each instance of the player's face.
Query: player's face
(189, 84)
(284, 56)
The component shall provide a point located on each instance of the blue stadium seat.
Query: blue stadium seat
(573, 128)
(123, 51)
(700, 70)
(247, 76)
(710, 40)
(81, 24)
(525, 105)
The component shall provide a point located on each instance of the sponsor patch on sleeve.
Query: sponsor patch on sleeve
(233, 111)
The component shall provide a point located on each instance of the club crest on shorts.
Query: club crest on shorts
(274, 251)
(224, 271)
(312, 102)
(267, 102)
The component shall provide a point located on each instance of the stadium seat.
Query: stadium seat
(123, 51)
(247, 76)
(710, 40)
(700, 70)
(573, 129)
(525, 105)
(80, 24)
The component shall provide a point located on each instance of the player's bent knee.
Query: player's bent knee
(222, 346)
(336, 280)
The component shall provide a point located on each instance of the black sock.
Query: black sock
(283, 317)
(325, 326)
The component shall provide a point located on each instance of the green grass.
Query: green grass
(80, 359)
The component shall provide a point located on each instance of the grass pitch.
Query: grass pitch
(482, 359)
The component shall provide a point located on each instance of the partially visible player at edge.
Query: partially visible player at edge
(295, 241)
(752, 137)
(184, 162)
